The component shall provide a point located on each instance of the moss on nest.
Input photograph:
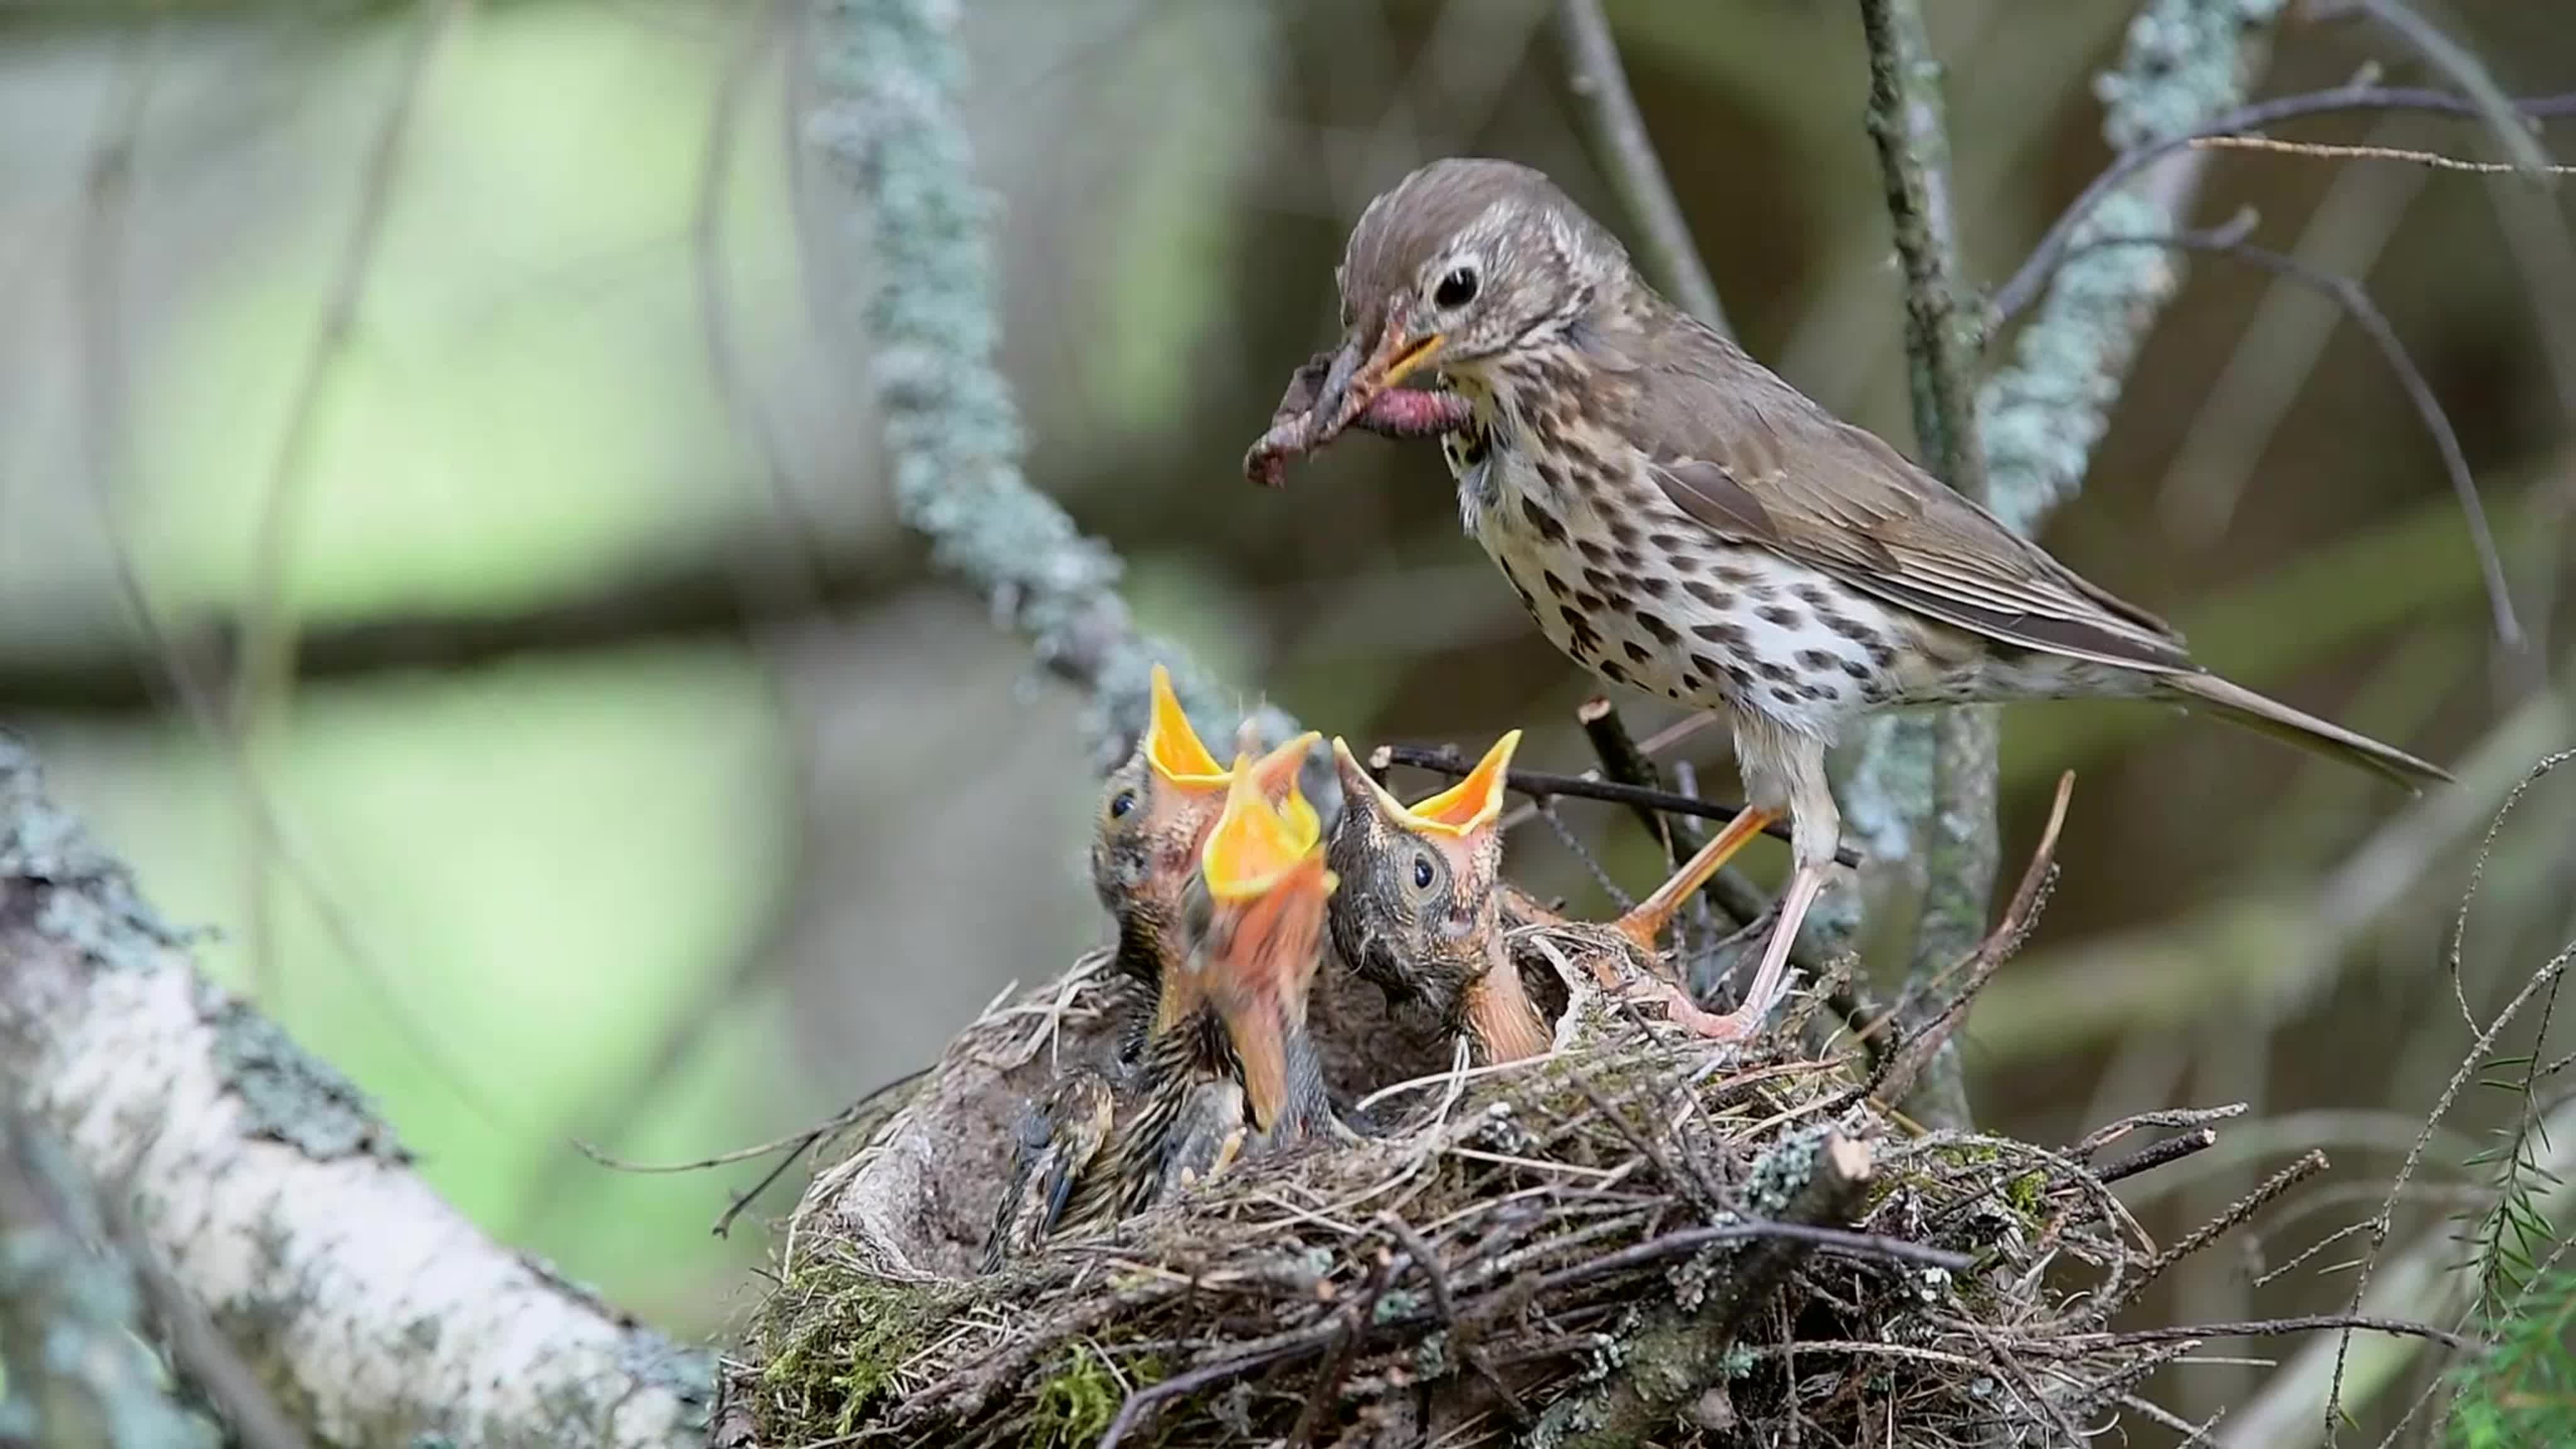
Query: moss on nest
(835, 1337)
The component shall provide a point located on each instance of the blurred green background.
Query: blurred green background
(641, 784)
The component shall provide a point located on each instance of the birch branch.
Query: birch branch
(266, 1187)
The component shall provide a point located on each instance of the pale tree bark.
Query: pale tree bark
(264, 1184)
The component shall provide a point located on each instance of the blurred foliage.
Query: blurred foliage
(2521, 1388)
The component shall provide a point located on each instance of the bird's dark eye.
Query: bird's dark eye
(1456, 289)
(1422, 872)
(1121, 803)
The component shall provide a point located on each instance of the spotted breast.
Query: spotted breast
(1632, 590)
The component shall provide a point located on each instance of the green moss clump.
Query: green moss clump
(831, 1342)
(2025, 1191)
(1075, 1406)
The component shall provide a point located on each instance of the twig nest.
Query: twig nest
(1635, 1237)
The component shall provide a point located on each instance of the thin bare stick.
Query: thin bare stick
(2374, 324)
(2235, 1216)
(2157, 1154)
(1600, 86)
(2335, 151)
(2108, 1133)
(1540, 785)
(2463, 66)
(2031, 278)
(267, 678)
(2274, 1327)
(1897, 1073)
(164, 671)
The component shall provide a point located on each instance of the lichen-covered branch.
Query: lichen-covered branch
(1957, 833)
(2039, 419)
(73, 1369)
(266, 1187)
(890, 74)
(2185, 62)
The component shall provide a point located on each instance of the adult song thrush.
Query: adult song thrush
(1683, 522)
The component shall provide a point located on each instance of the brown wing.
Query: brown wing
(1756, 461)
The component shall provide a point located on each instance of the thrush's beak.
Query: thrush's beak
(1357, 378)
(1172, 747)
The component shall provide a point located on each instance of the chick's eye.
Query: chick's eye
(1456, 289)
(1121, 803)
(1422, 872)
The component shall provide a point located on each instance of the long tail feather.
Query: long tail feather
(2245, 707)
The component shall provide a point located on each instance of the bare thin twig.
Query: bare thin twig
(2462, 65)
(1541, 785)
(2307, 1166)
(162, 670)
(1895, 1075)
(1600, 85)
(2157, 1154)
(2339, 151)
(2366, 315)
(269, 624)
(2033, 275)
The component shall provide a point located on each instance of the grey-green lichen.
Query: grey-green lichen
(688, 1374)
(2184, 62)
(288, 1094)
(73, 1368)
(891, 77)
(75, 892)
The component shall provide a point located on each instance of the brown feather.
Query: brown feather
(2243, 706)
(1721, 432)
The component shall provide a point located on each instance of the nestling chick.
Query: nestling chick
(1426, 914)
(1227, 1054)
(1057, 1142)
(1155, 813)
(1420, 914)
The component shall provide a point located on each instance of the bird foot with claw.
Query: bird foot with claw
(1681, 1011)
(1296, 429)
